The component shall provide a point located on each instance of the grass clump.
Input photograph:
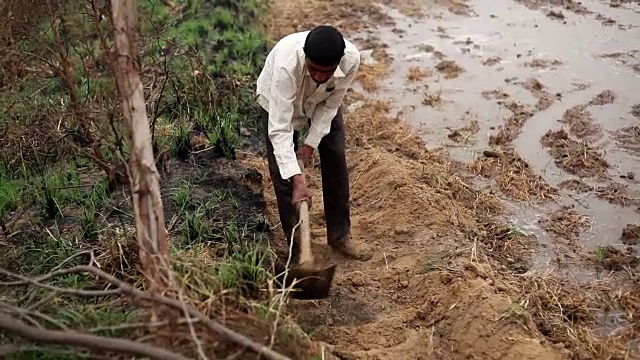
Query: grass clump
(64, 199)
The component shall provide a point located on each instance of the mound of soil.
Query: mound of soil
(513, 176)
(574, 157)
(619, 194)
(604, 98)
(535, 87)
(420, 282)
(449, 69)
(497, 94)
(635, 110)
(575, 185)
(629, 138)
(631, 234)
(581, 123)
(510, 130)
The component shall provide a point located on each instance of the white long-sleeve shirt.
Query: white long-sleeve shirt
(287, 92)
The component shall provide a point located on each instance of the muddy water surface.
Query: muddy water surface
(465, 68)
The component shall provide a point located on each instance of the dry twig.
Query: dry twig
(123, 288)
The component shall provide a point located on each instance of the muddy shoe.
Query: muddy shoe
(360, 252)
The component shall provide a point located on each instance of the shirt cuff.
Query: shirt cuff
(313, 137)
(289, 169)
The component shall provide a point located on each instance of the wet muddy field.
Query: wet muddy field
(494, 157)
(543, 95)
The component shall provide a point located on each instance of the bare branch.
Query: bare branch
(123, 288)
(74, 338)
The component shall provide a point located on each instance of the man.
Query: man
(304, 80)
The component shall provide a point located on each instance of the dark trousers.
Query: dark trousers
(335, 186)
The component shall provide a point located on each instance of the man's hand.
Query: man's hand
(300, 191)
(305, 153)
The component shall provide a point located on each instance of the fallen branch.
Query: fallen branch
(123, 288)
(74, 338)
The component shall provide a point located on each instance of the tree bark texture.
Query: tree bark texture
(144, 176)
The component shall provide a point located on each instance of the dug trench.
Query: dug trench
(451, 277)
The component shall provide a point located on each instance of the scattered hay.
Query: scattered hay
(575, 185)
(565, 312)
(417, 73)
(433, 99)
(556, 15)
(497, 94)
(628, 138)
(509, 245)
(566, 223)
(371, 73)
(288, 16)
(581, 123)
(463, 133)
(569, 5)
(513, 176)
(619, 194)
(490, 61)
(604, 98)
(510, 130)
(449, 69)
(542, 63)
(574, 157)
(611, 259)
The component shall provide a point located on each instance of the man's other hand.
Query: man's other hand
(305, 153)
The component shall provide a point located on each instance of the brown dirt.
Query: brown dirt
(635, 110)
(566, 223)
(432, 99)
(542, 63)
(604, 98)
(565, 226)
(569, 5)
(369, 73)
(513, 176)
(631, 234)
(449, 69)
(619, 194)
(581, 123)
(628, 138)
(510, 130)
(462, 134)
(497, 94)
(490, 61)
(574, 157)
(441, 284)
(535, 87)
(417, 73)
(615, 260)
(575, 185)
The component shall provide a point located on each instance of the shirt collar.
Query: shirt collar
(338, 73)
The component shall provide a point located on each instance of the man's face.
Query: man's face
(320, 74)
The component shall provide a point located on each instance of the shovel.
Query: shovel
(309, 282)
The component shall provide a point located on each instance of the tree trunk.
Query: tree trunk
(144, 177)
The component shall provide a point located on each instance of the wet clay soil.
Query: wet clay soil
(460, 190)
(541, 101)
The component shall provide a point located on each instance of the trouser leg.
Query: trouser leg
(283, 190)
(335, 183)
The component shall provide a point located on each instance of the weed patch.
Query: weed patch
(64, 199)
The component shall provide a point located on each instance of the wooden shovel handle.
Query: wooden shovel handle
(306, 259)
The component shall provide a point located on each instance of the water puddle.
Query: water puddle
(458, 73)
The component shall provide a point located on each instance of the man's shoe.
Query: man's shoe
(355, 251)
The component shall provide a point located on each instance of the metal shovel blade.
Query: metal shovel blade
(309, 284)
